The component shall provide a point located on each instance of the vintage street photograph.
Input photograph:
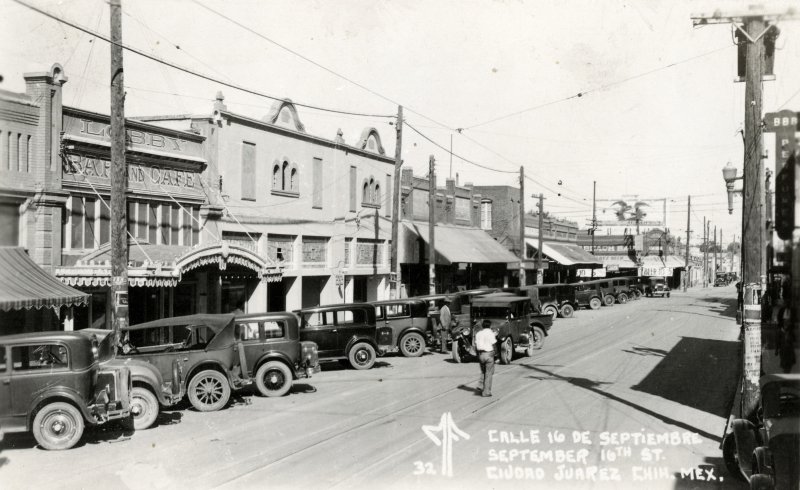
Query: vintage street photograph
(399, 244)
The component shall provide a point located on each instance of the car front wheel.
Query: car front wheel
(273, 378)
(362, 356)
(622, 298)
(458, 352)
(58, 426)
(507, 351)
(608, 300)
(552, 311)
(567, 311)
(412, 345)
(209, 391)
(144, 408)
(595, 303)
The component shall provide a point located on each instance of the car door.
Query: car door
(251, 335)
(352, 324)
(319, 327)
(5, 388)
(35, 368)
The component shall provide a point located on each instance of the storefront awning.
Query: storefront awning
(467, 245)
(163, 265)
(618, 261)
(671, 261)
(565, 253)
(26, 285)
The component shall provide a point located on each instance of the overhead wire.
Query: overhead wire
(189, 70)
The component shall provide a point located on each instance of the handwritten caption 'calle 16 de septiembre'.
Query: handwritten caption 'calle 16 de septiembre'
(585, 456)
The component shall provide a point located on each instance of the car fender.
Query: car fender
(355, 339)
(208, 364)
(545, 328)
(412, 329)
(275, 356)
(60, 393)
(144, 373)
(746, 437)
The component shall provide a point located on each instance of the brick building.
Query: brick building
(466, 255)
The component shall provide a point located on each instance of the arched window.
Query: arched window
(294, 185)
(276, 177)
(284, 175)
(365, 193)
(377, 199)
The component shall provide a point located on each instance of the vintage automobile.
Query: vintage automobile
(589, 294)
(460, 302)
(657, 287)
(206, 344)
(346, 332)
(512, 319)
(274, 354)
(410, 324)
(721, 279)
(556, 300)
(767, 452)
(150, 389)
(53, 384)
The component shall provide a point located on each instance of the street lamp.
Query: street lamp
(729, 174)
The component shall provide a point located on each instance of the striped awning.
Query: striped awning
(26, 285)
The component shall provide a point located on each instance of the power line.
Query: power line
(189, 70)
(588, 91)
(456, 155)
(318, 65)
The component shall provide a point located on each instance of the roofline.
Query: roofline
(134, 123)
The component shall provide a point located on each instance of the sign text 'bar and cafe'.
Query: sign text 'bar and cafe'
(182, 178)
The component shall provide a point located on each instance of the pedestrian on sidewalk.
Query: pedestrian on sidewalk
(444, 324)
(485, 342)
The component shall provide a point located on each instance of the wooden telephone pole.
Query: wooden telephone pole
(753, 27)
(522, 246)
(119, 181)
(688, 231)
(539, 271)
(398, 163)
(431, 224)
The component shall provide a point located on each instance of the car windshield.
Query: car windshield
(491, 311)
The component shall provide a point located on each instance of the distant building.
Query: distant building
(467, 256)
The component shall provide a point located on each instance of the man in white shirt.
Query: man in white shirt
(485, 341)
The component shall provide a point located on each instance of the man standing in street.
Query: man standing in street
(444, 324)
(485, 341)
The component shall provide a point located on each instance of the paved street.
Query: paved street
(638, 392)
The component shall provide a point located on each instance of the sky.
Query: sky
(658, 117)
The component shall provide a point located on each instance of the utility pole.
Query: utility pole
(754, 30)
(539, 271)
(705, 253)
(398, 163)
(594, 216)
(720, 252)
(431, 225)
(522, 246)
(119, 181)
(714, 269)
(688, 231)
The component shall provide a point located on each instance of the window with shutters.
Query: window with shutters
(317, 193)
(248, 171)
(486, 214)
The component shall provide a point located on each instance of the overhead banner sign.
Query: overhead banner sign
(630, 211)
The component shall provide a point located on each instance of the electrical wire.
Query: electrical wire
(318, 65)
(600, 88)
(189, 70)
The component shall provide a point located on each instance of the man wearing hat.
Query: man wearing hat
(444, 324)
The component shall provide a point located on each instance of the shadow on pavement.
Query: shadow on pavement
(341, 365)
(594, 387)
(695, 373)
(111, 432)
(646, 351)
(723, 305)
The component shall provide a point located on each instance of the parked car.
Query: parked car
(346, 332)
(589, 294)
(150, 389)
(556, 300)
(274, 354)
(208, 347)
(721, 279)
(410, 324)
(459, 304)
(657, 287)
(53, 384)
(766, 451)
(513, 320)
(622, 289)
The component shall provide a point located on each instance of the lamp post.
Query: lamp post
(729, 174)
